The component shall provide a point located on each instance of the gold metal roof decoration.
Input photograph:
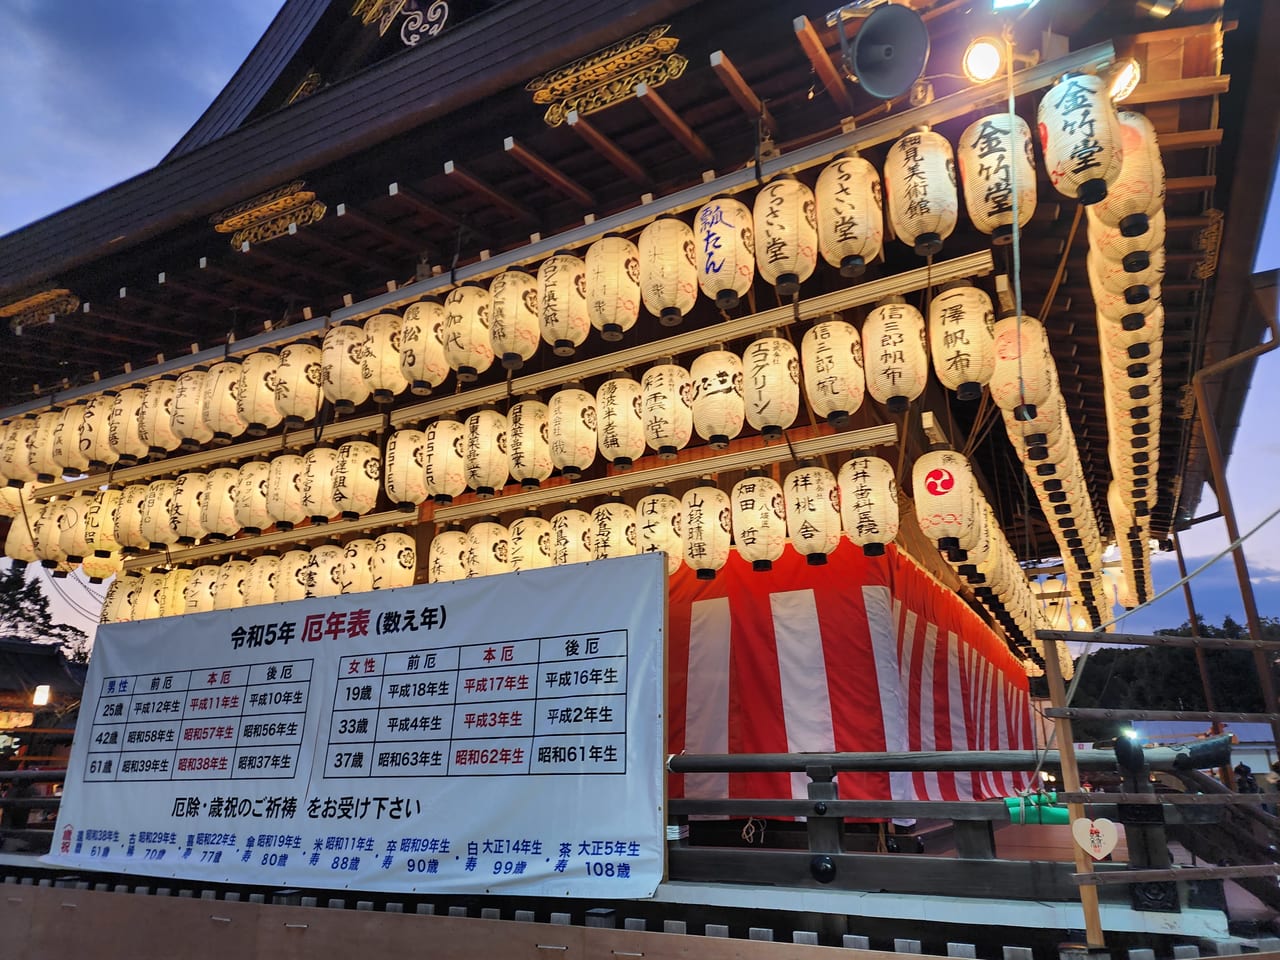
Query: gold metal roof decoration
(38, 308)
(609, 75)
(306, 86)
(269, 215)
(419, 21)
(1209, 243)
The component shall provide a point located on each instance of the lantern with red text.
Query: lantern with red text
(467, 348)
(850, 214)
(786, 234)
(997, 168)
(869, 503)
(380, 362)
(831, 360)
(894, 355)
(613, 285)
(962, 339)
(920, 179)
(719, 409)
(562, 303)
(422, 360)
(724, 250)
(706, 513)
(1081, 137)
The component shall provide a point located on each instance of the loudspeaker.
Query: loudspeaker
(889, 51)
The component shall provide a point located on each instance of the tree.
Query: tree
(24, 613)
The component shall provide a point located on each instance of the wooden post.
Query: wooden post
(1071, 783)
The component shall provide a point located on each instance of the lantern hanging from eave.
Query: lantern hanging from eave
(100, 522)
(15, 460)
(14, 499)
(962, 339)
(228, 589)
(813, 512)
(443, 462)
(94, 434)
(1081, 137)
(572, 537)
(101, 566)
(156, 510)
(668, 270)
(46, 534)
(514, 330)
(1138, 192)
(73, 531)
(869, 503)
(122, 426)
(707, 527)
(317, 483)
(395, 561)
(613, 525)
(189, 491)
(402, 469)
(724, 250)
(448, 556)
(465, 332)
(324, 569)
(572, 436)
(173, 600)
(380, 362)
(118, 603)
(850, 214)
(488, 549)
(284, 490)
(619, 421)
(357, 478)
(666, 405)
(920, 179)
(6, 432)
(341, 367)
(831, 360)
(252, 488)
(291, 576)
(785, 223)
(1134, 286)
(220, 404)
(128, 518)
(771, 385)
(256, 392)
(486, 463)
(187, 421)
(529, 442)
(719, 409)
(197, 592)
(759, 520)
(260, 584)
(945, 497)
(155, 416)
(613, 285)
(1025, 375)
(562, 303)
(1134, 253)
(297, 381)
(422, 361)
(530, 543)
(19, 543)
(67, 452)
(42, 460)
(218, 511)
(894, 355)
(355, 572)
(997, 162)
(659, 527)
(148, 599)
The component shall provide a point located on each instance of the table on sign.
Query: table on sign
(217, 723)
(547, 705)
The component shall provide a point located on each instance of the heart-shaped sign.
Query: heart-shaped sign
(1097, 837)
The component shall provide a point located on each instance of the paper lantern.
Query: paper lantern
(284, 490)
(759, 520)
(15, 460)
(46, 534)
(357, 478)
(148, 599)
(666, 405)
(1134, 253)
(187, 421)
(317, 484)
(422, 360)
(869, 503)
(156, 511)
(850, 214)
(771, 385)
(562, 303)
(73, 532)
(572, 537)
(122, 427)
(395, 561)
(403, 477)
(448, 557)
(514, 330)
(118, 603)
(1113, 277)
(718, 407)
(946, 498)
(530, 543)
(831, 359)
(668, 270)
(218, 511)
(487, 549)
(324, 568)
(1025, 375)
(572, 435)
(813, 512)
(485, 463)
(613, 285)
(1138, 192)
(297, 381)
(102, 566)
(252, 491)
(260, 582)
(724, 250)
(128, 524)
(14, 499)
(342, 367)
(189, 491)
(705, 517)
(658, 528)
(229, 588)
(155, 416)
(42, 460)
(894, 355)
(962, 339)
(529, 442)
(465, 332)
(996, 161)
(67, 452)
(220, 403)
(291, 576)
(620, 426)
(613, 526)
(920, 179)
(443, 464)
(786, 234)
(19, 544)
(197, 591)
(256, 392)
(100, 522)
(380, 362)
(1080, 135)
(355, 572)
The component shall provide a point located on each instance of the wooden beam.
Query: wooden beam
(674, 123)
(753, 106)
(831, 78)
(1190, 140)
(347, 253)
(1190, 184)
(607, 148)
(381, 229)
(483, 190)
(304, 270)
(1188, 88)
(235, 276)
(191, 291)
(552, 175)
(1178, 873)
(422, 205)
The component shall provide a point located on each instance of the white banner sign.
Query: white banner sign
(498, 735)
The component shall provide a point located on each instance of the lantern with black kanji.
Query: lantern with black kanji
(42, 460)
(486, 463)
(997, 168)
(355, 572)
(19, 545)
(442, 459)
(298, 394)
(962, 338)
(786, 234)
(869, 503)
(850, 214)
(155, 417)
(342, 365)
(920, 179)
(562, 303)
(619, 425)
(197, 595)
(395, 560)
(260, 582)
(188, 411)
(529, 442)
(724, 250)
(514, 326)
(659, 521)
(613, 525)
(317, 483)
(831, 362)
(668, 272)
(156, 509)
(291, 576)
(573, 539)
(184, 512)
(117, 607)
(324, 570)
(719, 409)
(530, 543)
(465, 332)
(357, 478)
(813, 511)
(149, 596)
(613, 285)
(256, 392)
(15, 462)
(422, 361)
(251, 496)
(284, 490)
(122, 427)
(572, 430)
(95, 433)
(1080, 134)
(706, 518)
(73, 532)
(666, 404)
(403, 469)
(759, 519)
(489, 546)
(380, 363)
(448, 557)
(218, 509)
(894, 355)
(128, 518)
(219, 404)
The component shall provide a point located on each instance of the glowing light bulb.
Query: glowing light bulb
(982, 59)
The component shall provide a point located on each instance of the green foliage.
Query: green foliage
(24, 613)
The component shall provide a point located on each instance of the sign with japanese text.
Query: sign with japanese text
(496, 735)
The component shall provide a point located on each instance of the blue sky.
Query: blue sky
(92, 93)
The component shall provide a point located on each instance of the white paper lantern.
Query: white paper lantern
(1134, 253)
(831, 359)
(197, 592)
(291, 576)
(189, 491)
(869, 503)
(188, 422)
(256, 392)
(67, 453)
(620, 426)
(284, 490)
(15, 460)
(850, 214)
(465, 332)
(759, 520)
(342, 367)
(786, 234)
(156, 509)
(448, 557)
(297, 382)
(666, 404)
(324, 569)
(485, 462)
(488, 549)
(101, 566)
(705, 518)
(946, 498)
(1114, 278)
(317, 484)
(573, 537)
(355, 572)
(14, 499)
(920, 179)
(220, 403)
(229, 588)
(659, 524)
(19, 544)
(725, 250)
(998, 161)
(218, 512)
(962, 339)
(514, 330)
(395, 561)
(155, 416)
(613, 285)
(380, 363)
(403, 469)
(529, 442)
(122, 427)
(100, 522)
(718, 408)
(562, 303)
(252, 489)
(1138, 192)
(894, 355)
(128, 524)
(613, 526)
(813, 512)
(422, 360)
(1025, 375)
(42, 452)
(117, 606)
(46, 534)
(530, 543)
(1080, 135)
(572, 435)
(357, 478)
(148, 599)
(771, 385)
(73, 531)
(668, 270)
(94, 438)
(443, 460)
(260, 582)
